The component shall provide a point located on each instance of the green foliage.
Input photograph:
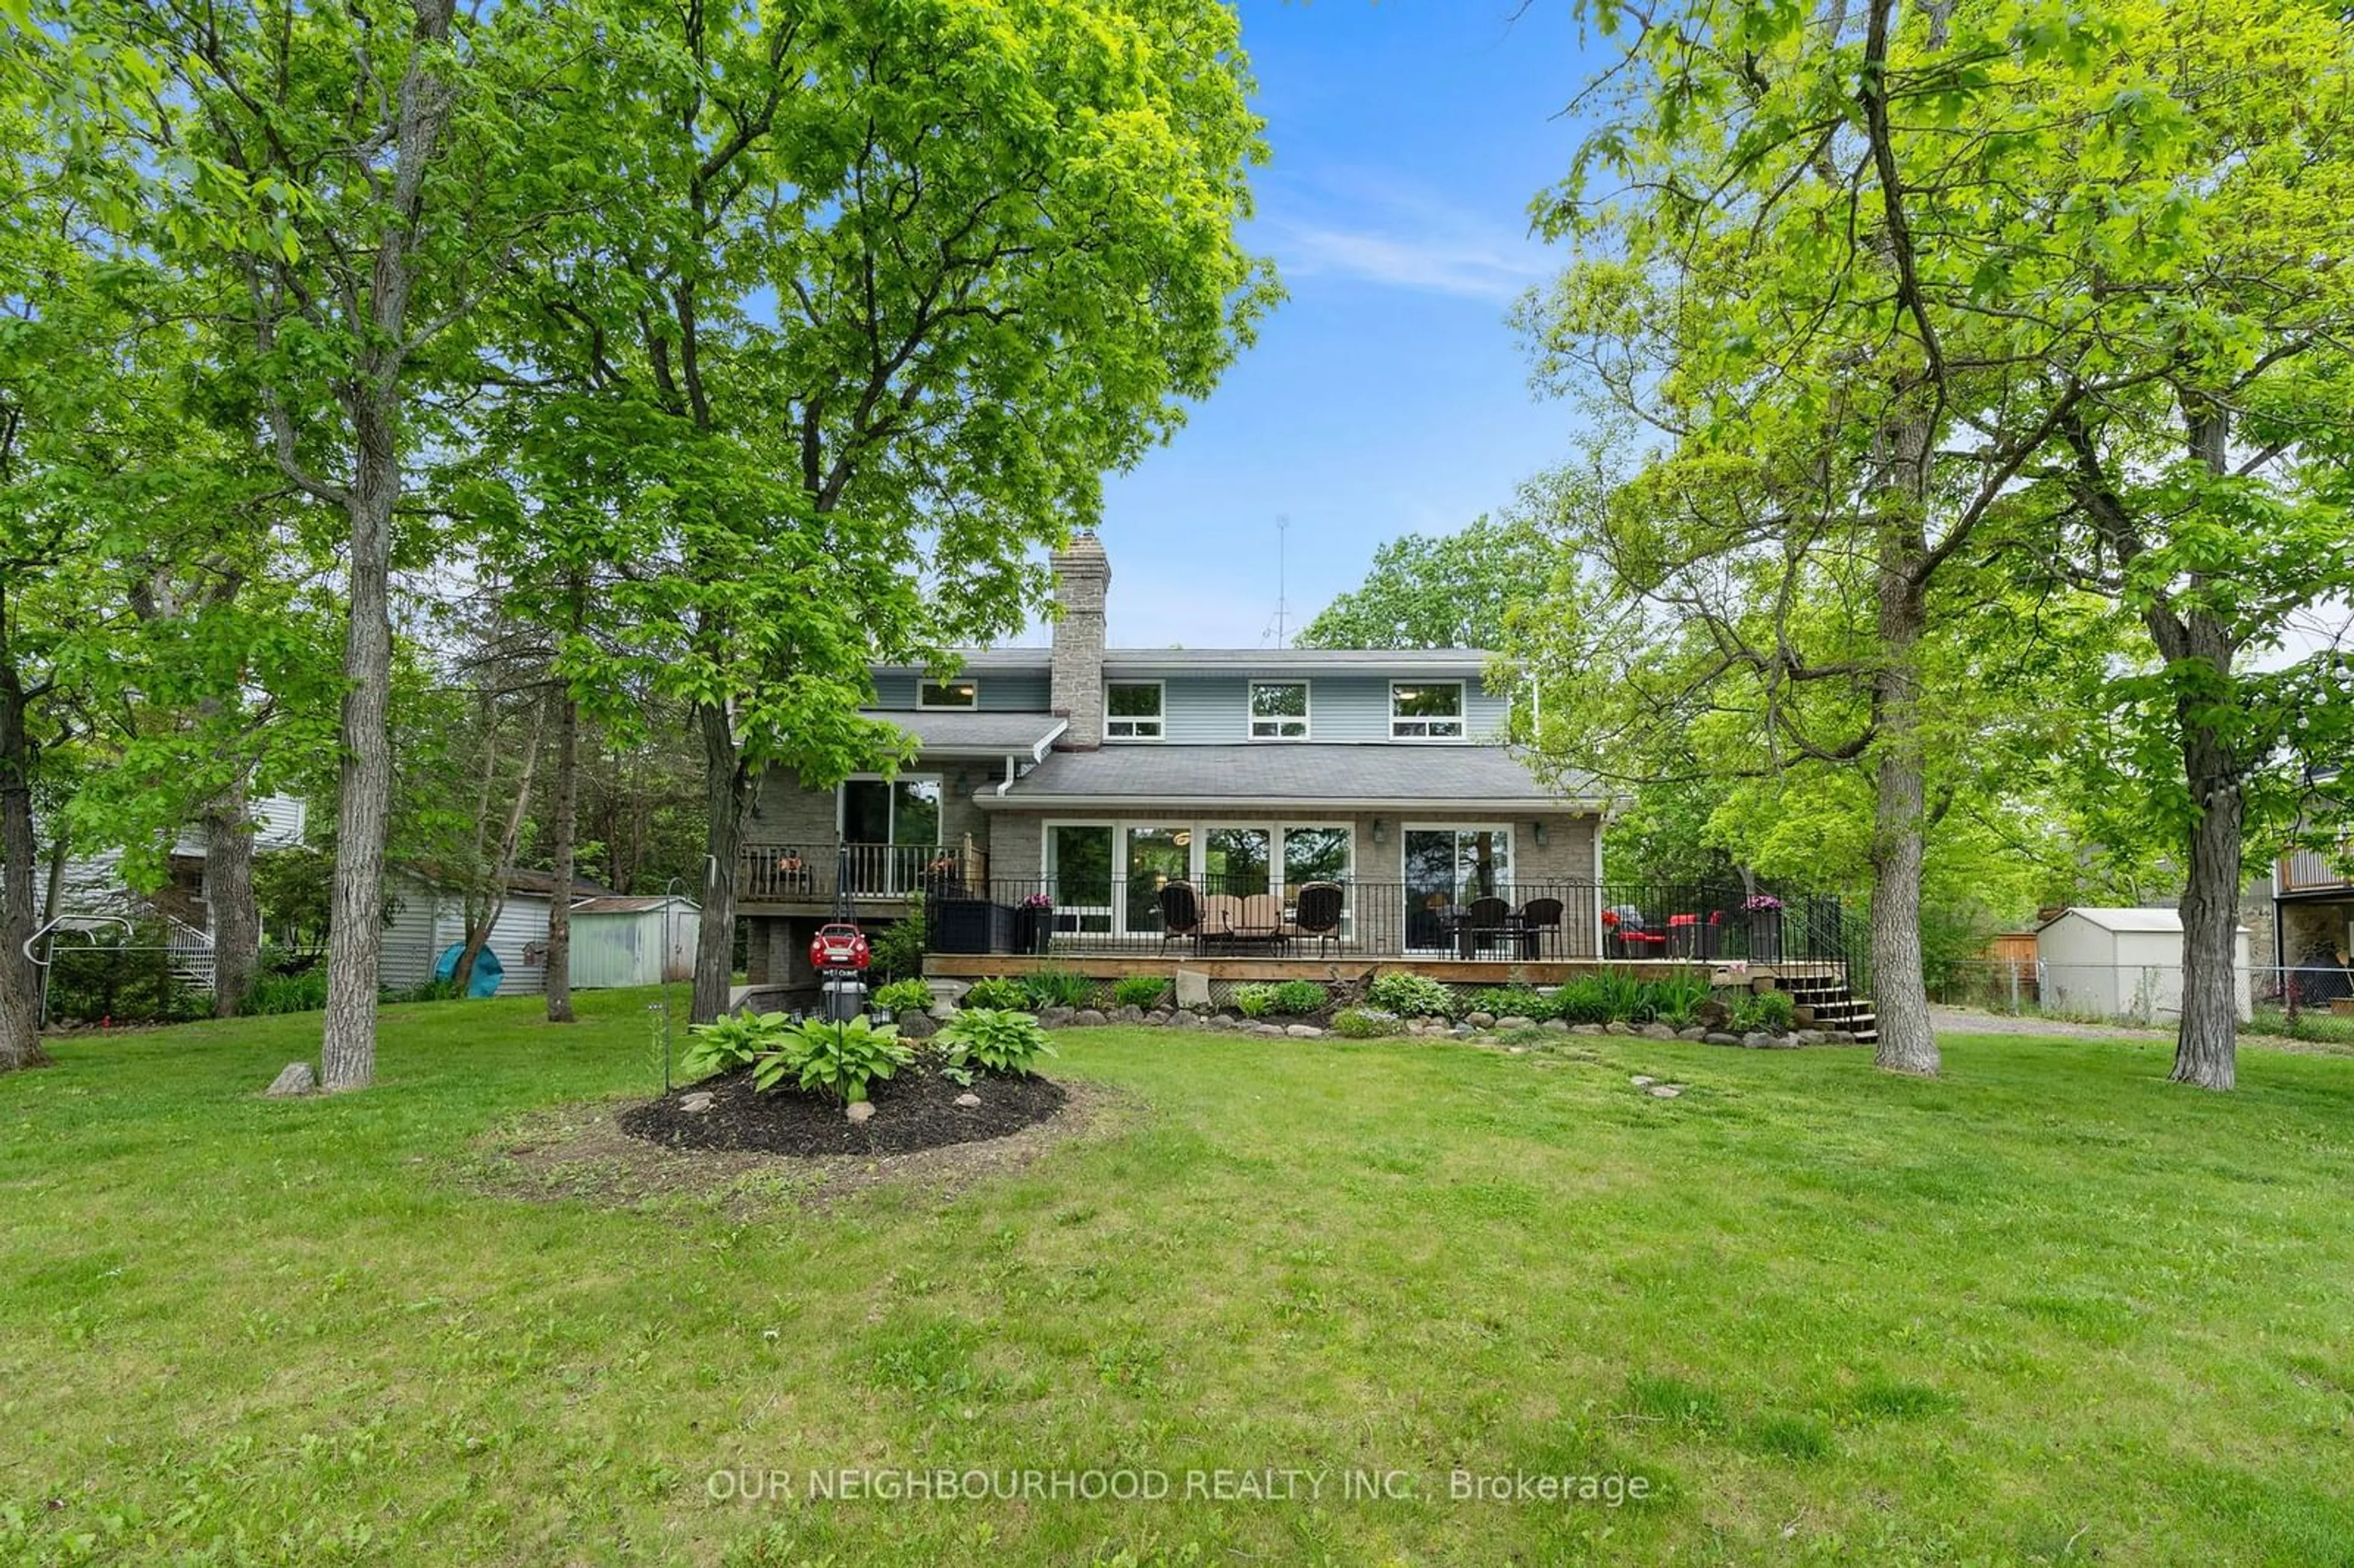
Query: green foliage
(1366, 1023)
(1411, 995)
(1450, 590)
(424, 990)
(838, 1061)
(1770, 1011)
(1675, 999)
(274, 992)
(1139, 990)
(996, 993)
(731, 1041)
(1583, 1000)
(993, 1040)
(1510, 1001)
(1629, 999)
(903, 996)
(897, 949)
(1301, 996)
(1057, 988)
(1255, 1001)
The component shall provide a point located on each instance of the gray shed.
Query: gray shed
(2121, 963)
(621, 941)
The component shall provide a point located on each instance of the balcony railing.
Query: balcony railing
(1530, 922)
(817, 874)
(2311, 871)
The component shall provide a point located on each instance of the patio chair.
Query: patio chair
(1538, 915)
(1181, 915)
(1484, 918)
(1319, 913)
(1220, 911)
(1258, 918)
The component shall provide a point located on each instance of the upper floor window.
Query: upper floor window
(947, 694)
(1132, 710)
(1426, 710)
(1279, 710)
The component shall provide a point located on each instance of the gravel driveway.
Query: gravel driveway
(1970, 1020)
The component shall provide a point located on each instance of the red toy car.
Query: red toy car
(839, 946)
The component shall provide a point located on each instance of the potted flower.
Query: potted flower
(1035, 923)
(1765, 912)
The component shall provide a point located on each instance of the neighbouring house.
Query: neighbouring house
(2312, 924)
(92, 886)
(1086, 802)
(2121, 963)
(616, 940)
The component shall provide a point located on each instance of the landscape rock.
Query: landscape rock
(1657, 1032)
(860, 1112)
(1556, 1025)
(1158, 1015)
(1842, 1037)
(1642, 1080)
(696, 1103)
(1693, 1033)
(1664, 1091)
(1128, 1014)
(1717, 1037)
(1587, 1029)
(1617, 1026)
(1055, 1017)
(917, 1025)
(1088, 1018)
(1460, 1032)
(1481, 1021)
(1757, 1039)
(1712, 1014)
(1218, 1020)
(1516, 1050)
(1810, 1037)
(297, 1079)
(1185, 1018)
(1193, 991)
(1303, 1032)
(1516, 1021)
(967, 1099)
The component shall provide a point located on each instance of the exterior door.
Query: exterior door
(1447, 868)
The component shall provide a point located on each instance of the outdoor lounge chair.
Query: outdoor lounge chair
(1258, 918)
(1219, 912)
(1181, 915)
(1318, 913)
(1538, 915)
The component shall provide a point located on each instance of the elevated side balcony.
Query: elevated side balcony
(809, 878)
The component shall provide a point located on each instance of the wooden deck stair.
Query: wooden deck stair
(1825, 1003)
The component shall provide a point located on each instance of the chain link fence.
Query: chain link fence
(2306, 1002)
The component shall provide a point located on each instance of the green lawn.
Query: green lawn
(2046, 1309)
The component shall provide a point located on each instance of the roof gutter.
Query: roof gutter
(998, 799)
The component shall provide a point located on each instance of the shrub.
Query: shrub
(996, 993)
(1411, 996)
(1770, 1012)
(1057, 988)
(1139, 990)
(993, 1040)
(1630, 999)
(897, 949)
(305, 992)
(735, 1040)
(836, 1060)
(1255, 1001)
(1676, 1001)
(1301, 996)
(1508, 1002)
(1366, 1022)
(903, 996)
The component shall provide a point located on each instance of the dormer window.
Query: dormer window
(1426, 710)
(947, 694)
(1132, 710)
(1279, 710)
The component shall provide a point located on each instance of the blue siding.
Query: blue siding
(1001, 690)
(1210, 710)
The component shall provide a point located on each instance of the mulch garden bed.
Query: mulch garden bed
(916, 1110)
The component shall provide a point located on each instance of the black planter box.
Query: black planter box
(971, 925)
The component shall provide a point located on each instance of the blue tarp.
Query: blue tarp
(483, 982)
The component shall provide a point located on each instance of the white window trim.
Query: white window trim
(1160, 722)
(842, 800)
(1512, 853)
(1198, 831)
(1307, 719)
(1050, 873)
(972, 706)
(1462, 720)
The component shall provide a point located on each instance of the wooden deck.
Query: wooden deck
(1358, 967)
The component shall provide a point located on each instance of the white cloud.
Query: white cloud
(1379, 228)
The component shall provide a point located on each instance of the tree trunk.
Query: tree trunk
(229, 889)
(727, 788)
(20, 978)
(1900, 992)
(356, 935)
(2206, 1047)
(478, 935)
(559, 909)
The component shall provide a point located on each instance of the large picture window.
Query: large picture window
(1279, 710)
(1132, 710)
(1426, 710)
(1107, 877)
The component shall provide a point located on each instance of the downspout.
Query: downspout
(1010, 777)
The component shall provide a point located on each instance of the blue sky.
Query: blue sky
(1387, 395)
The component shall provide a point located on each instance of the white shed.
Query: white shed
(428, 918)
(619, 942)
(2122, 963)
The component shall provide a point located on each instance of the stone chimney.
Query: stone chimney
(1081, 578)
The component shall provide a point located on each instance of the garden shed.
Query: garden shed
(619, 942)
(2121, 963)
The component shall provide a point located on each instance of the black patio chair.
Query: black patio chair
(1489, 916)
(1538, 915)
(1318, 913)
(1181, 915)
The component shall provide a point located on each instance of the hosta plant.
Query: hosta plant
(1411, 996)
(994, 1040)
(903, 996)
(735, 1040)
(836, 1060)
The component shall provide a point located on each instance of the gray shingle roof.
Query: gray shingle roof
(977, 734)
(1120, 661)
(1492, 776)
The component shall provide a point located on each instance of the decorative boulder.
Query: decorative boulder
(1718, 1037)
(1303, 1032)
(1088, 1018)
(1481, 1021)
(1712, 1015)
(1192, 991)
(1185, 1018)
(859, 1112)
(297, 1079)
(1130, 1013)
(1657, 1032)
(1516, 1022)
(1757, 1039)
(1054, 1017)
(916, 1025)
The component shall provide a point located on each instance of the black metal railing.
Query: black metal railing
(795, 873)
(1509, 922)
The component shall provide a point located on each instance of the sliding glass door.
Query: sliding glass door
(892, 830)
(1447, 868)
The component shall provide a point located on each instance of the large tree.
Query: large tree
(1870, 272)
(1439, 590)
